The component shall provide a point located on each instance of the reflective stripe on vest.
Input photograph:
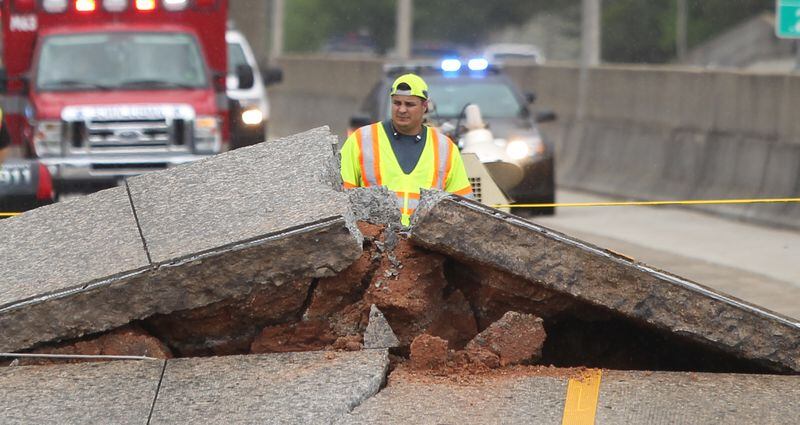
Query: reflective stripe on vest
(442, 153)
(370, 156)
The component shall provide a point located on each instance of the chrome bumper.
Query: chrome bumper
(112, 168)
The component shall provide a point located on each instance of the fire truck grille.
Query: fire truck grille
(141, 134)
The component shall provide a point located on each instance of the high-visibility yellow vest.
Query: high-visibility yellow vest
(369, 160)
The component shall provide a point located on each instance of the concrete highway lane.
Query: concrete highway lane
(755, 263)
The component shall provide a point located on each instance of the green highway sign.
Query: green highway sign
(787, 21)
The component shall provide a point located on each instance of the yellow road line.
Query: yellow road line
(643, 203)
(582, 395)
(5, 214)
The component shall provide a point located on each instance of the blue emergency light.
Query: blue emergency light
(451, 65)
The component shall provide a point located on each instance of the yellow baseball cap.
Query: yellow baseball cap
(410, 85)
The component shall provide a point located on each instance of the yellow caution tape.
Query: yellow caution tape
(646, 203)
(580, 405)
(613, 204)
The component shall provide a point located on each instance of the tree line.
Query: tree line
(633, 30)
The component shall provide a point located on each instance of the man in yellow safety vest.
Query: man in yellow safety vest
(403, 154)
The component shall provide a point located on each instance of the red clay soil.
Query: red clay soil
(515, 338)
(348, 343)
(333, 294)
(455, 322)
(460, 374)
(408, 290)
(125, 341)
(492, 293)
(228, 327)
(300, 336)
(428, 352)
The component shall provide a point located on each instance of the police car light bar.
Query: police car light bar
(478, 64)
(428, 66)
(451, 65)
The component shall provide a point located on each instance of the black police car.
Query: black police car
(504, 108)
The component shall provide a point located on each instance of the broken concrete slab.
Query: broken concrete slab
(378, 333)
(601, 278)
(57, 249)
(266, 214)
(438, 400)
(109, 392)
(700, 398)
(238, 196)
(625, 397)
(192, 283)
(313, 387)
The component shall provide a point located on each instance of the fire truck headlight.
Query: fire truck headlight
(174, 5)
(47, 138)
(54, 6)
(252, 116)
(207, 135)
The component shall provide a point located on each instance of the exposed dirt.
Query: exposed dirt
(228, 327)
(473, 374)
(300, 336)
(515, 338)
(420, 293)
(408, 288)
(428, 352)
(125, 341)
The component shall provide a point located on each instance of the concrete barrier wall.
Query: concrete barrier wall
(647, 132)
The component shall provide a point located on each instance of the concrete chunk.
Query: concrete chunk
(379, 334)
(311, 387)
(237, 196)
(118, 392)
(599, 277)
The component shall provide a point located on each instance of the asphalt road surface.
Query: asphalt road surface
(755, 263)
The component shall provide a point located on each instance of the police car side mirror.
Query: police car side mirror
(272, 76)
(244, 73)
(546, 116)
(359, 120)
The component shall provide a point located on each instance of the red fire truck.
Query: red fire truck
(98, 90)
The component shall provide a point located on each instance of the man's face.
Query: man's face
(407, 113)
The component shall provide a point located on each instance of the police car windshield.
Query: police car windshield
(120, 60)
(495, 98)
